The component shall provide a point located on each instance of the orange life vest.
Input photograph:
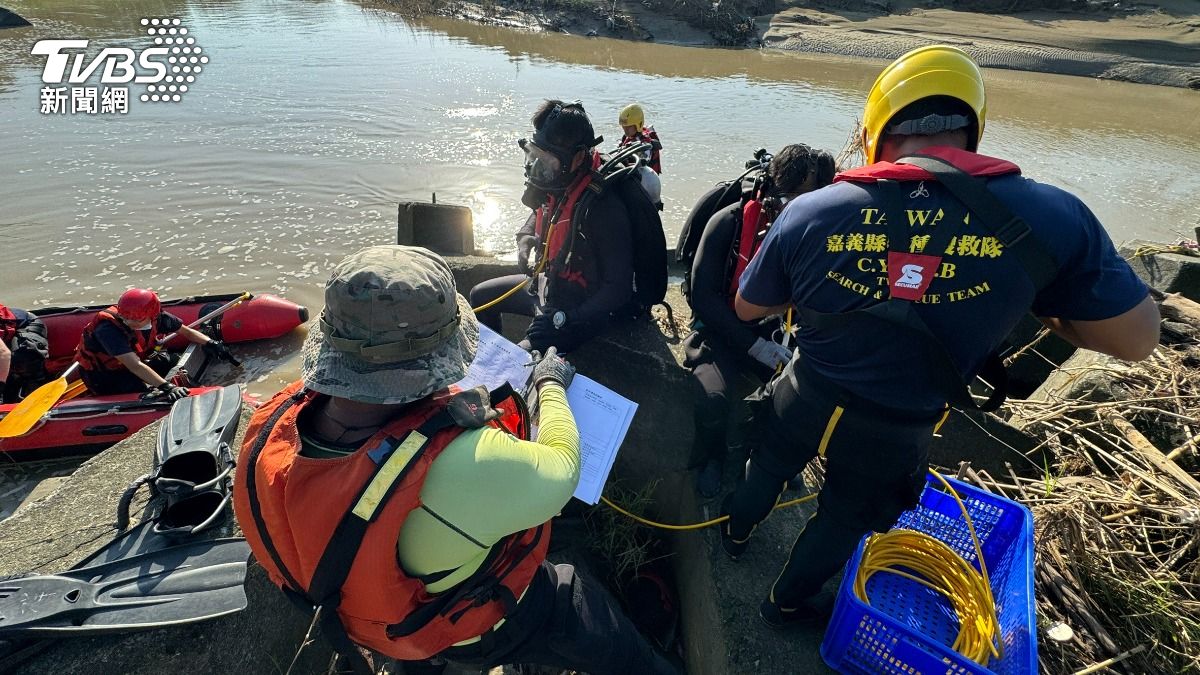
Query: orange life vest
(90, 353)
(325, 530)
(8, 325)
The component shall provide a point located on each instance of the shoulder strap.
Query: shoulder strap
(1013, 232)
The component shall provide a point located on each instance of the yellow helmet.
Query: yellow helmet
(632, 115)
(936, 70)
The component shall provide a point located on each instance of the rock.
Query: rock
(1168, 272)
(1086, 376)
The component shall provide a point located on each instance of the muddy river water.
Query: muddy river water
(311, 120)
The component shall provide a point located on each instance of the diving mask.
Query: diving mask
(542, 167)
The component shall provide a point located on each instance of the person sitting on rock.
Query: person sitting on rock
(722, 347)
(584, 271)
(415, 515)
(632, 120)
(117, 353)
(23, 353)
(907, 274)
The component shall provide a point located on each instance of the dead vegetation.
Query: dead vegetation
(1117, 521)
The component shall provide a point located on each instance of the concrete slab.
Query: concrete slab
(43, 489)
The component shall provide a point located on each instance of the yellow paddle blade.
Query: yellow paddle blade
(77, 387)
(28, 412)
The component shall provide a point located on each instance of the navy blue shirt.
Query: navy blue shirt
(114, 342)
(22, 316)
(827, 250)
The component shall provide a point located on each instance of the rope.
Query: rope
(930, 562)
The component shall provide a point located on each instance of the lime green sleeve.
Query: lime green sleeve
(488, 484)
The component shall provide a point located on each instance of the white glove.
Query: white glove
(770, 354)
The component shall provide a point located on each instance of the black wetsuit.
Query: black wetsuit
(716, 351)
(607, 234)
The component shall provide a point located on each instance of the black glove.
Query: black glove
(217, 350)
(552, 368)
(168, 391)
(541, 331)
(525, 245)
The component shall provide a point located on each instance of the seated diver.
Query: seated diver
(587, 272)
(722, 347)
(24, 349)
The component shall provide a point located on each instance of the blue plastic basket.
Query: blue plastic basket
(908, 628)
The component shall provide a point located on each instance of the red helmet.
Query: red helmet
(139, 304)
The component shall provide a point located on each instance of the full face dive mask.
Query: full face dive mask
(544, 169)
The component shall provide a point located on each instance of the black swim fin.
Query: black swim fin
(192, 463)
(170, 586)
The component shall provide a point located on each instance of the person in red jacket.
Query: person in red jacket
(632, 120)
(116, 353)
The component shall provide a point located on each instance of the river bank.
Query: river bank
(1145, 42)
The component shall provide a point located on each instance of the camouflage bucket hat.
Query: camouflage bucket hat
(393, 329)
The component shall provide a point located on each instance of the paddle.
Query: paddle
(27, 413)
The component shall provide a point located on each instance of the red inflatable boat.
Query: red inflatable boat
(84, 423)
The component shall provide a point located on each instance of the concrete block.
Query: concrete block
(471, 269)
(984, 440)
(1168, 272)
(444, 228)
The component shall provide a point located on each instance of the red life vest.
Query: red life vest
(566, 254)
(647, 135)
(8, 325)
(972, 163)
(90, 353)
(325, 530)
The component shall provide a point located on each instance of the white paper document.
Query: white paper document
(497, 361)
(601, 415)
(603, 419)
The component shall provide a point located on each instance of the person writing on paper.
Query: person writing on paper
(116, 353)
(450, 542)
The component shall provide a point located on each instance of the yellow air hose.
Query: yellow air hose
(696, 526)
(525, 282)
(935, 565)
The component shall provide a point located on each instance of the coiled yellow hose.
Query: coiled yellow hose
(935, 565)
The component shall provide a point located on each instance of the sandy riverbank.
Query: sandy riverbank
(1147, 42)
